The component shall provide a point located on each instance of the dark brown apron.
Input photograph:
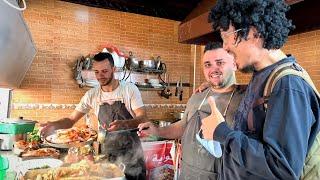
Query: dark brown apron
(197, 162)
(122, 147)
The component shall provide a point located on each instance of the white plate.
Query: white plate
(26, 165)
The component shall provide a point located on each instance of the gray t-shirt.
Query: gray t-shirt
(221, 100)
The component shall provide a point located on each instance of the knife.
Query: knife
(180, 89)
(177, 89)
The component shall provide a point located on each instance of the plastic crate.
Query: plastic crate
(14, 128)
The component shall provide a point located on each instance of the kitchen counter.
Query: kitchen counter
(158, 155)
(14, 161)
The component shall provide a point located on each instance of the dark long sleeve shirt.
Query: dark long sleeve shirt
(279, 143)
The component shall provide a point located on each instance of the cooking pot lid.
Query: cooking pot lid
(17, 121)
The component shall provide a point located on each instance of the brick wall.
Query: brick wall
(306, 48)
(64, 31)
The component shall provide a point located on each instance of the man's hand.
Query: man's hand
(49, 127)
(119, 125)
(151, 129)
(202, 87)
(210, 123)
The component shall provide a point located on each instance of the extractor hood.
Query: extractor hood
(197, 30)
(17, 49)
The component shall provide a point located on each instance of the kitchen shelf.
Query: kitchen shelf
(120, 69)
(147, 70)
(175, 84)
(150, 89)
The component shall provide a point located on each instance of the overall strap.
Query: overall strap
(204, 99)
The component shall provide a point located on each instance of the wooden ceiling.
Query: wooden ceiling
(193, 14)
(303, 13)
(169, 9)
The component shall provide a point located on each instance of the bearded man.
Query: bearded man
(198, 161)
(118, 106)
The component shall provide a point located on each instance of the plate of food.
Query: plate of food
(33, 164)
(22, 146)
(78, 171)
(40, 153)
(72, 137)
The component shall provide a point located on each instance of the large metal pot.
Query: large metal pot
(178, 115)
(132, 62)
(148, 64)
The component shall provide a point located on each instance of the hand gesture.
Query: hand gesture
(150, 129)
(202, 87)
(210, 123)
(118, 125)
(47, 128)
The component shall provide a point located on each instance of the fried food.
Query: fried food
(77, 171)
(71, 135)
(24, 145)
(42, 152)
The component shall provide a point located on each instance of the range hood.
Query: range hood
(197, 29)
(17, 49)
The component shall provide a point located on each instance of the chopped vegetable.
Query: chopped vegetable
(34, 135)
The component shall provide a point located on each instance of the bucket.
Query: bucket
(4, 165)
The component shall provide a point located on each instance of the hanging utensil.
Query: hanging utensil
(177, 89)
(180, 89)
(166, 92)
(132, 62)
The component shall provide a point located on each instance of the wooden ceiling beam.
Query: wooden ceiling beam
(196, 30)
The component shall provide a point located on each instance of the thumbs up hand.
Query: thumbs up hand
(210, 123)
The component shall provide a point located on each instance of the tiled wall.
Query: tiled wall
(64, 31)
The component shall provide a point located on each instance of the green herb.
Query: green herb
(34, 135)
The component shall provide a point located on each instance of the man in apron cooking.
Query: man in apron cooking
(118, 106)
(219, 71)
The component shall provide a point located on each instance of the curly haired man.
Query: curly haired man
(267, 143)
